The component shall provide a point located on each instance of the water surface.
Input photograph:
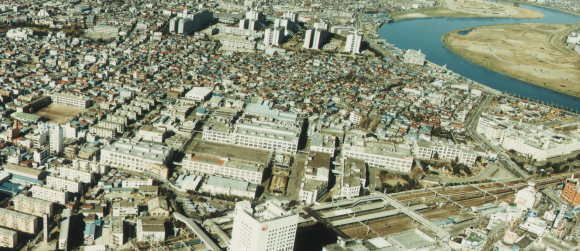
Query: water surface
(426, 34)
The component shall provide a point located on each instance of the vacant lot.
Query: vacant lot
(534, 53)
(59, 113)
(471, 8)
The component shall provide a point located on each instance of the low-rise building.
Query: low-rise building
(224, 186)
(158, 207)
(151, 229)
(124, 208)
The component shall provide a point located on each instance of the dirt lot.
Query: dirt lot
(59, 113)
(471, 8)
(534, 53)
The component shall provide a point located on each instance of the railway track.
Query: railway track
(464, 197)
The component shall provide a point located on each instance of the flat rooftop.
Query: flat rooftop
(229, 151)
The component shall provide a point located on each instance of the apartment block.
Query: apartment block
(33, 206)
(19, 221)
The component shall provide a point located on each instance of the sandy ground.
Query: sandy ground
(59, 113)
(472, 8)
(534, 53)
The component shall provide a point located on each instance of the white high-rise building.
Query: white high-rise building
(56, 139)
(273, 36)
(315, 39)
(267, 226)
(353, 43)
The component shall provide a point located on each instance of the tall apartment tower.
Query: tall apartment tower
(56, 139)
(263, 227)
(273, 36)
(315, 39)
(353, 43)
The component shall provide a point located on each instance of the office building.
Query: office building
(33, 206)
(19, 221)
(273, 36)
(353, 43)
(267, 226)
(8, 238)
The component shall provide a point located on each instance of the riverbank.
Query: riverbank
(470, 8)
(533, 53)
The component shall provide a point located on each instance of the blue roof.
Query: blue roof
(90, 229)
(26, 179)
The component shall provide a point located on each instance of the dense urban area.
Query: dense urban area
(266, 125)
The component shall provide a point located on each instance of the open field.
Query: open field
(470, 8)
(59, 113)
(534, 53)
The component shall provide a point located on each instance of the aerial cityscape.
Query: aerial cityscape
(252, 125)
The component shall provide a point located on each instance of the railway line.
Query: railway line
(369, 213)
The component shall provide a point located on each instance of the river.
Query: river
(426, 34)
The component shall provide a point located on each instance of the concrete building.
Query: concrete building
(117, 232)
(198, 93)
(75, 100)
(8, 238)
(571, 192)
(443, 151)
(315, 39)
(414, 57)
(62, 184)
(46, 193)
(229, 187)
(227, 161)
(19, 221)
(267, 226)
(76, 174)
(353, 43)
(151, 229)
(136, 183)
(151, 134)
(56, 139)
(392, 157)
(186, 23)
(33, 206)
(352, 178)
(137, 157)
(158, 207)
(124, 208)
(528, 197)
(273, 36)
